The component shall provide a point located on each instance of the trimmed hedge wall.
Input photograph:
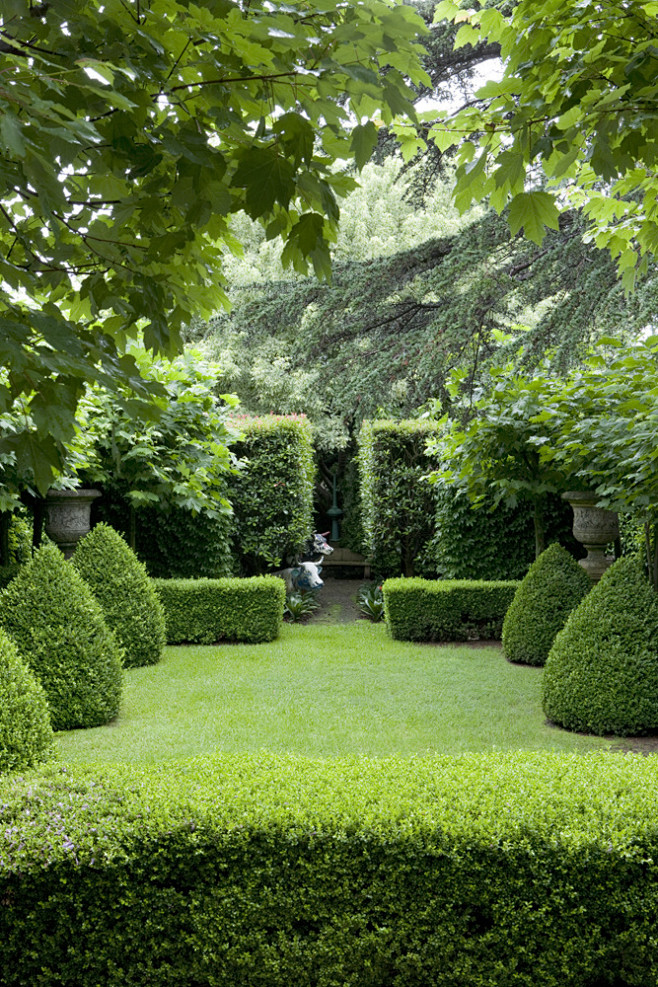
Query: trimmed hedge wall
(398, 507)
(446, 610)
(207, 610)
(522, 870)
(272, 496)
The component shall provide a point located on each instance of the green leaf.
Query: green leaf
(533, 211)
(363, 143)
(12, 134)
(267, 178)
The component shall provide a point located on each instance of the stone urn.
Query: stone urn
(594, 527)
(68, 517)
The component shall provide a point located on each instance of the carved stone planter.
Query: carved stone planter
(593, 527)
(68, 516)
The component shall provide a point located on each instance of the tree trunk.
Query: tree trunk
(5, 519)
(132, 532)
(38, 517)
(540, 529)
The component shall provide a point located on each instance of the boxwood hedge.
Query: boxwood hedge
(446, 610)
(59, 630)
(207, 610)
(119, 582)
(601, 675)
(527, 870)
(553, 587)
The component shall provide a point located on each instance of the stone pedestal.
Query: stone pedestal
(68, 517)
(594, 527)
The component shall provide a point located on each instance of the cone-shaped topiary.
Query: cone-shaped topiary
(553, 586)
(601, 675)
(120, 583)
(59, 630)
(26, 736)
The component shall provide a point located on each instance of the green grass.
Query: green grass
(323, 690)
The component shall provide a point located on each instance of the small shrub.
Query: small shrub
(601, 675)
(26, 735)
(209, 610)
(59, 630)
(446, 610)
(370, 602)
(128, 600)
(300, 605)
(553, 586)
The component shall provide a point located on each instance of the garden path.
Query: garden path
(337, 600)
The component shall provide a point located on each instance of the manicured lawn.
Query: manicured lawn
(325, 690)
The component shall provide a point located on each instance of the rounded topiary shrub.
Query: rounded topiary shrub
(601, 675)
(128, 600)
(59, 630)
(26, 735)
(553, 586)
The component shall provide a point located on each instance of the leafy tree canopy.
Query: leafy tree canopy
(387, 331)
(577, 106)
(131, 130)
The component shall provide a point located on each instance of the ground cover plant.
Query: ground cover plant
(323, 690)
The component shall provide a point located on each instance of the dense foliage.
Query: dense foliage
(272, 496)
(576, 102)
(181, 459)
(553, 587)
(484, 869)
(26, 735)
(59, 630)
(131, 132)
(601, 675)
(121, 585)
(397, 504)
(489, 541)
(178, 544)
(446, 609)
(385, 334)
(209, 610)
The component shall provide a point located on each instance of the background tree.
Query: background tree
(182, 460)
(131, 131)
(577, 104)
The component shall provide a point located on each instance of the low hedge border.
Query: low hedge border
(446, 609)
(204, 611)
(520, 869)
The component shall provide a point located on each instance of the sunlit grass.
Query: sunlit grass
(325, 690)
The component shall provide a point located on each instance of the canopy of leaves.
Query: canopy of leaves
(130, 131)
(180, 460)
(386, 333)
(578, 102)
